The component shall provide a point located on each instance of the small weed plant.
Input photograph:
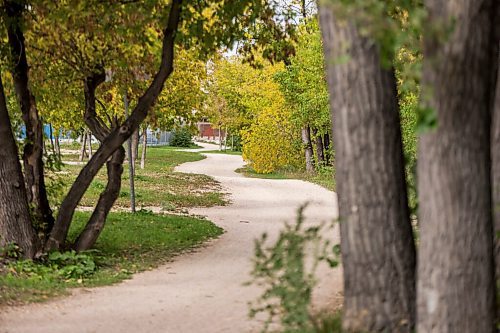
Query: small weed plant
(286, 270)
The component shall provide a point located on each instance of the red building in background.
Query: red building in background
(207, 132)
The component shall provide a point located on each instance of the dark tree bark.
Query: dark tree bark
(308, 150)
(15, 221)
(144, 147)
(378, 251)
(495, 178)
(33, 148)
(455, 284)
(495, 155)
(96, 223)
(119, 135)
(326, 146)
(320, 154)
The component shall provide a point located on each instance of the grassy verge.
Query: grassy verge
(129, 244)
(323, 177)
(155, 185)
(227, 152)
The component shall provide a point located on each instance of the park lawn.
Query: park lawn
(227, 152)
(129, 243)
(323, 177)
(157, 185)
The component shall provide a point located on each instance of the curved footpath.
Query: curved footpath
(200, 291)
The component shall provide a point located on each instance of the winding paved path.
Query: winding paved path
(200, 291)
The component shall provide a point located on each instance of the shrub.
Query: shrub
(67, 266)
(181, 138)
(270, 143)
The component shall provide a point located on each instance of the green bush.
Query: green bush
(67, 266)
(181, 138)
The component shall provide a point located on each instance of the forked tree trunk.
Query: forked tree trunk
(378, 251)
(119, 135)
(15, 221)
(95, 225)
(144, 147)
(455, 286)
(308, 150)
(33, 148)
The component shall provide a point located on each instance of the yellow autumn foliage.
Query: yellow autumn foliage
(270, 142)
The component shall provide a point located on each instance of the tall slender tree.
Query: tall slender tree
(378, 252)
(33, 147)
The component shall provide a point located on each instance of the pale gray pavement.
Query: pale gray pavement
(200, 291)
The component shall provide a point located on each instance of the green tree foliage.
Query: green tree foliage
(303, 82)
(106, 49)
(249, 100)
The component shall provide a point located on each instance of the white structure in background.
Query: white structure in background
(158, 138)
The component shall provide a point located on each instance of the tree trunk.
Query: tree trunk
(135, 146)
(93, 229)
(495, 158)
(57, 145)
(83, 149)
(90, 144)
(144, 147)
(15, 221)
(119, 135)
(51, 138)
(308, 151)
(455, 285)
(131, 171)
(495, 178)
(326, 146)
(220, 139)
(94, 226)
(378, 251)
(33, 148)
(320, 154)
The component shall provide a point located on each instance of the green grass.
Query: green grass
(323, 177)
(227, 152)
(129, 243)
(157, 185)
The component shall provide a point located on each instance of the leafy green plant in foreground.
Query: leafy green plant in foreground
(286, 270)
